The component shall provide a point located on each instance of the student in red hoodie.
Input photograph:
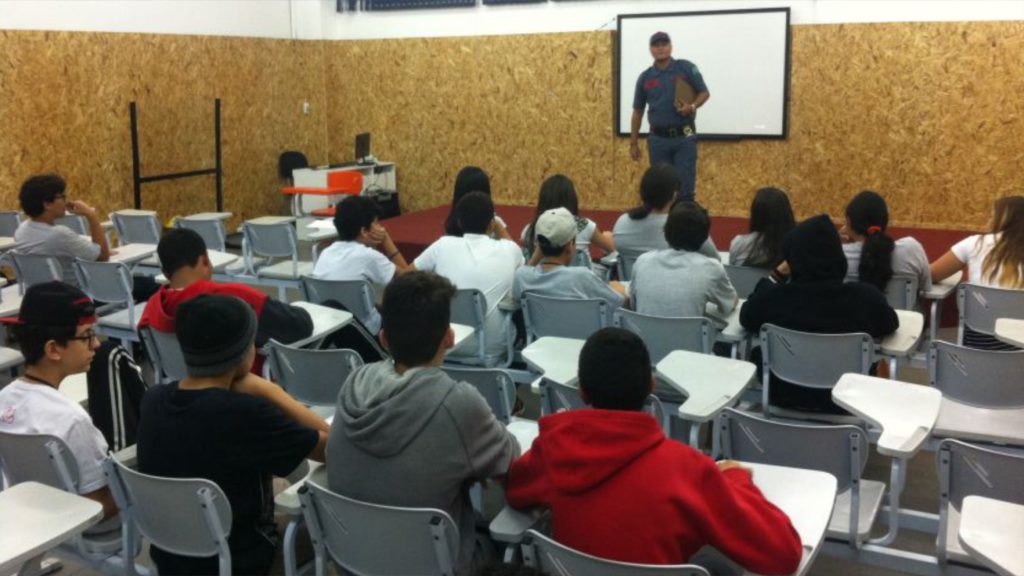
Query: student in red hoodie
(619, 489)
(186, 264)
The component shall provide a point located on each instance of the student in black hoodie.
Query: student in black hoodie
(813, 298)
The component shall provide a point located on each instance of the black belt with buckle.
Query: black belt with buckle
(684, 130)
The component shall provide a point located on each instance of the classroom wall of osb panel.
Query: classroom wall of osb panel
(64, 100)
(929, 114)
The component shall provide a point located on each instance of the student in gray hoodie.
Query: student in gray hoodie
(404, 433)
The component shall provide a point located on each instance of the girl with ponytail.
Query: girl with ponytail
(873, 257)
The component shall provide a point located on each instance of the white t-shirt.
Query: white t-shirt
(908, 259)
(28, 408)
(972, 251)
(60, 241)
(476, 261)
(354, 261)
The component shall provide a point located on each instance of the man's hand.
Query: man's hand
(724, 465)
(79, 207)
(634, 150)
(686, 110)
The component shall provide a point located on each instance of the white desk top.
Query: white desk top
(556, 358)
(940, 290)
(325, 321)
(134, 212)
(461, 333)
(710, 383)
(360, 167)
(6, 242)
(10, 301)
(287, 501)
(271, 220)
(724, 257)
(221, 260)
(906, 413)
(107, 225)
(35, 518)
(208, 216)
(904, 340)
(132, 253)
(733, 331)
(992, 531)
(321, 224)
(76, 388)
(973, 423)
(321, 234)
(525, 431)
(1011, 331)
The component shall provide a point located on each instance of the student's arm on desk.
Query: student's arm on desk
(489, 448)
(527, 483)
(254, 385)
(604, 240)
(283, 322)
(947, 265)
(742, 524)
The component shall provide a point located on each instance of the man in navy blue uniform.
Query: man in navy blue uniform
(673, 137)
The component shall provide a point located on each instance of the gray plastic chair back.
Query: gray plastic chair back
(355, 295)
(9, 222)
(495, 385)
(840, 450)
(136, 228)
(38, 458)
(901, 292)
(186, 516)
(555, 398)
(109, 282)
(969, 470)
(313, 377)
(745, 278)
(663, 335)
(76, 222)
(211, 231)
(550, 557)
(165, 353)
(564, 317)
(813, 360)
(624, 264)
(980, 378)
(469, 307)
(271, 240)
(32, 269)
(361, 537)
(980, 306)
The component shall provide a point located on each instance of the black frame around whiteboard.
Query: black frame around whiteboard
(785, 89)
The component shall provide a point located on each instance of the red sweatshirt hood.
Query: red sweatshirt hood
(160, 309)
(583, 448)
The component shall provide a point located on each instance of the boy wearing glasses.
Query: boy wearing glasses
(55, 331)
(43, 198)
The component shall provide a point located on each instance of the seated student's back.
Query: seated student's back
(619, 489)
(871, 255)
(771, 218)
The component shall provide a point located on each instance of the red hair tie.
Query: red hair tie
(874, 230)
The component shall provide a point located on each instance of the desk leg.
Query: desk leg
(897, 479)
(695, 435)
(290, 533)
(933, 328)
(893, 367)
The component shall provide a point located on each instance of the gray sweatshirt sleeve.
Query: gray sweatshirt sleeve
(489, 447)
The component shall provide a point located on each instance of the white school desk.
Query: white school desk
(34, 518)
(993, 532)
(134, 212)
(732, 332)
(10, 300)
(902, 342)
(939, 292)
(207, 216)
(806, 496)
(461, 333)
(1011, 331)
(131, 253)
(6, 243)
(709, 382)
(265, 220)
(905, 413)
(326, 320)
(379, 175)
(557, 359)
(219, 261)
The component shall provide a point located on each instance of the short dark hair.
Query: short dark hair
(551, 251)
(658, 186)
(474, 213)
(469, 179)
(38, 190)
(615, 370)
(353, 214)
(415, 316)
(687, 226)
(179, 248)
(32, 339)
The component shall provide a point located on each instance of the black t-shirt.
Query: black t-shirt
(235, 440)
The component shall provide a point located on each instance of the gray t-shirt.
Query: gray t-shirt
(679, 283)
(908, 259)
(564, 282)
(635, 237)
(742, 248)
(60, 241)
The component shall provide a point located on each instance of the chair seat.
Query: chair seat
(954, 551)
(800, 417)
(964, 422)
(104, 543)
(10, 358)
(119, 319)
(285, 271)
(871, 493)
(153, 260)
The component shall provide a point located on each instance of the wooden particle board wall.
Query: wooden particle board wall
(929, 114)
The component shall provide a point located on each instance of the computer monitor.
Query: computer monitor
(362, 146)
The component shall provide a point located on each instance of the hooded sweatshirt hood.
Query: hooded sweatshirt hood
(383, 411)
(814, 251)
(162, 305)
(583, 448)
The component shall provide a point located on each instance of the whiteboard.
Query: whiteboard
(742, 54)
